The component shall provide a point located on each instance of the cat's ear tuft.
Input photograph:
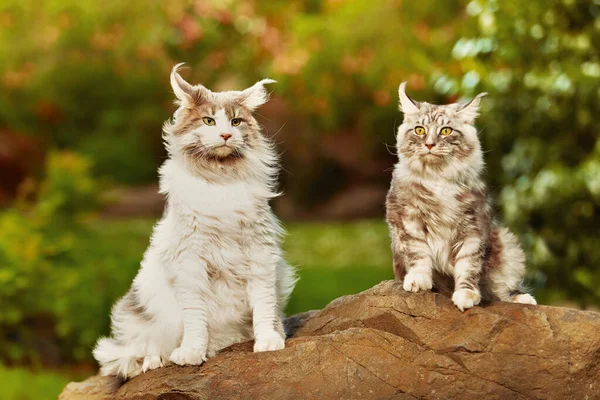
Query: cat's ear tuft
(187, 95)
(256, 95)
(182, 89)
(470, 111)
(407, 105)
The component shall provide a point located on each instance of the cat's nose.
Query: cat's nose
(429, 146)
(225, 136)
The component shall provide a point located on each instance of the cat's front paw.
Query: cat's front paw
(466, 298)
(524, 298)
(269, 342)
(415, 281)
(188, 356)
(152, 362)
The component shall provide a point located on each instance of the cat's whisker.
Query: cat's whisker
(387, 146)
(279, 130)
(262, 116)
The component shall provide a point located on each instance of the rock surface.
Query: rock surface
(385, 343)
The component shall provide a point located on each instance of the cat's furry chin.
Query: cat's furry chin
(231, 164)
(214, 272)
(223, 152)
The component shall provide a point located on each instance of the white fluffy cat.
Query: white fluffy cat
(213, 274)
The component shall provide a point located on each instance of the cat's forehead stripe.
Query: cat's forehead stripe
(232, 110)
(442, 119)
(434, 114)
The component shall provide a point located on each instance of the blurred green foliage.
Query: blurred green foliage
(93, 77)
(343, 64)
(22, 384)
(540, 64)
(37, 270)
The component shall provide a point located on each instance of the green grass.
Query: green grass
(336, 259)
(22, 384)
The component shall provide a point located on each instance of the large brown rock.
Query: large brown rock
(385, 343)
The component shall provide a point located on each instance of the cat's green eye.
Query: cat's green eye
(236, 122)
(208, 121)
(419, 130)
(446, 131)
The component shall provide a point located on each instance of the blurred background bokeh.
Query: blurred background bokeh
(84, 90)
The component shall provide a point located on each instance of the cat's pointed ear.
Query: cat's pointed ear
(256, 95)
(407, 105)
(187, 95)
(182, 89)
(470, 111)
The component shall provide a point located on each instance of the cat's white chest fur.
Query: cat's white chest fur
(194, 196)
(209, 236)
(215, 225)
(446, 195)
(440, 234)
(441, 221)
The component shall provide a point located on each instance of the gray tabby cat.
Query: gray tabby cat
(439, 212)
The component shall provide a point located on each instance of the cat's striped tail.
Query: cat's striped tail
(507, 268)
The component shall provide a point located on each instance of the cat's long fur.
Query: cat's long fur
(439, 213)
(213, 274)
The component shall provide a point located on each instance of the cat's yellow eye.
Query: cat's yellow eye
(236, 122)
(446, 131)
(208, 121)
(419, 130)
